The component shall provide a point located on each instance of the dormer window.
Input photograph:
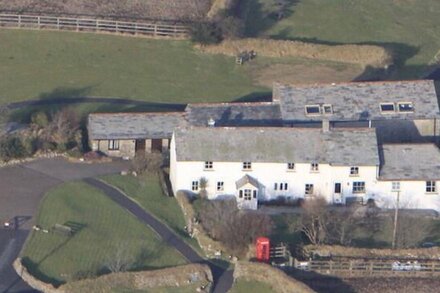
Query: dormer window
(313, 110)
(387, 108)
(208, 165)
(291, 166)
(327, 109)
(405, 107)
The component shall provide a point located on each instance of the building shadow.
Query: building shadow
(321, 283)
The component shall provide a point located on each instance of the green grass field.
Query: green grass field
(102, 226)
(242, 286)
(44, 64)
(409, 27)
(146, 191)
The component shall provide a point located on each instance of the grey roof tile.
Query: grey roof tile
(358, 100)
(278, 145)
(235, 114)
(133, 125)
(245, 180)
(410, 162)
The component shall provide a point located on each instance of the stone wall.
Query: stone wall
(31, 280)
(126, 148)
(180, 276)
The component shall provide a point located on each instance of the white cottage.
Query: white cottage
(261, 164)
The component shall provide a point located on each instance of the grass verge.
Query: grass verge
(101, 226)
(146, 191)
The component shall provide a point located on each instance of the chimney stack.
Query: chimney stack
(325, 125)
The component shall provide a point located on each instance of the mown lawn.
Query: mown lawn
(146, 191)
(242, 286)
(50, 65)
(102, 228)
(409, 27)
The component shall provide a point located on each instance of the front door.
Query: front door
(337, 193)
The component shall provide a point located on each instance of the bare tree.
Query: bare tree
(121, 260)
(313, 219)
(236, 229)
(147, 162)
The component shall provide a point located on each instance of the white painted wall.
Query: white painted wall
(413, 193)
(182, 174)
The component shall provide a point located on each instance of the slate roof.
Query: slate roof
(346, 147)
(234, 114)
(245, 180)
(358, 100)
(410, 162)
(133, 125)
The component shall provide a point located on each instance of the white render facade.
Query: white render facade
(337, 183)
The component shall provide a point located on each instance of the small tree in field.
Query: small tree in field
(205, 33)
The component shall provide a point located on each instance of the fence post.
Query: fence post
(331, 267)
(350, 268)
(371, 268)
(39, 21)
(97, 25)
(117, 26)
(58, 23)
(77, 25)
(155, 30)
(19, 21)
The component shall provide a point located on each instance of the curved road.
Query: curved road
(23, 186)
(21, 189)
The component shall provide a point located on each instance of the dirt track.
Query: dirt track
(152, 9)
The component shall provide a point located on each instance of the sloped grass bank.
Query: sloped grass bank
(103, 232)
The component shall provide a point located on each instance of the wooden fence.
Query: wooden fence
(370, 268)
(152, 29)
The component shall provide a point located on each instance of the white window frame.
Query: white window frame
(195, 185)
(312, 106)
(431, 186)
(387, 104)
(405, 103)
(113, 145)
(358, 187)
(309, 189)
(247, 194)
(209, 165)
(314, 167)
(291, 166)
(395, 186)
(328, 106)
(220, 185)
(354, 171)
(247, 166)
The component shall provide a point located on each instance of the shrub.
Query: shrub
(205, 33)
(40, 119)
(231, 27)
(234, 228)
(151, 162)
(12, 148)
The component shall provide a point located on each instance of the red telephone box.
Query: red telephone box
(263, 249)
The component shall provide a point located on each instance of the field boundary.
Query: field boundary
(359, 268)
(148, 29)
